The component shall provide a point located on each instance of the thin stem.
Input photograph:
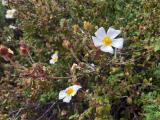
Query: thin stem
(18, 112)
(30, 57)
(115, 53)
(47, 110)
(17, 65)
(55, 78)
(74, 55)
(29, 60)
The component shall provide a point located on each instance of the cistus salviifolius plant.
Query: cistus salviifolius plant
(79, 60)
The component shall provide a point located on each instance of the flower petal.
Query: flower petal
(9, 16)
(62, 94)
(54, 56)
(100, 33)
(76, 87)
(118, 43)
(12, 27)
(112, 33)
(51, 61)
(96, 41)
(67, 99)
(107, 49)
(13, 10)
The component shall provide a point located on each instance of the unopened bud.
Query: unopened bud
(3, 50)
(9, 55)
(23, 48)
(66, 44)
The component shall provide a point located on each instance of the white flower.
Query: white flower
(54, 58)
(10, 13)
(5, 2)
(105, 41)
(12, 27)
(67, 94)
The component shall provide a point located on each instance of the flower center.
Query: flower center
(70, 91)
(10, 13)
(107, 41)
(54, 59)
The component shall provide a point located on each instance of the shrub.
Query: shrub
(121, 86)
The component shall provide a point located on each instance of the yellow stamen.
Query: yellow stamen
(54, 59)
(10, 13)
(70, 91)
(107, 41)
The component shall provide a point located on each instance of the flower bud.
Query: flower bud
(3, 50)
(23, 48)
(9, 55)
(66, 44)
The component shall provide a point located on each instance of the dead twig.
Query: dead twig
(40, 118)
